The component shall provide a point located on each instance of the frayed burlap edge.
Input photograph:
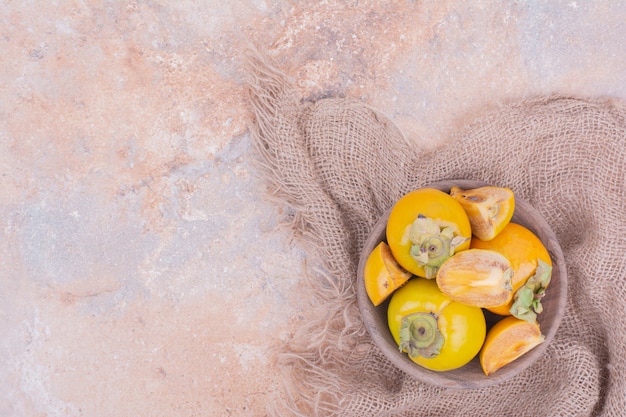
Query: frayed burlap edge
(314, 363)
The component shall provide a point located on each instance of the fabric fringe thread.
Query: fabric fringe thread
(337, 164)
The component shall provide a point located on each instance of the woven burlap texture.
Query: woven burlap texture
(337, 165)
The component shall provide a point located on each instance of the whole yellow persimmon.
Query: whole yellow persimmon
(437, 333)
(426, 227)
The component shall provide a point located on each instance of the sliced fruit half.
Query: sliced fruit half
(506, 341)
(488, 208)
(477, 277)
(382, 274)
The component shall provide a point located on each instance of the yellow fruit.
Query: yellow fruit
(436, 332)
(382, 274)
(425, 227)
(476, 277)
(488, 208)
(523, 249)
(506, 341)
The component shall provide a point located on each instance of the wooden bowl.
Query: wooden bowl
(471, 375)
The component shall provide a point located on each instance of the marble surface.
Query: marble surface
(144, 272)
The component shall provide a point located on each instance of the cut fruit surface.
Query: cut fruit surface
(477, 277)
(507, 340)
(382, 274)
(488, 208)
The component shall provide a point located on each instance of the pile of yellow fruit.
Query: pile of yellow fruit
(447, 258)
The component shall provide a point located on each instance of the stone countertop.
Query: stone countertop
(144, 271)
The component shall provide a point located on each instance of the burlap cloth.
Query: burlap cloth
(337, 164)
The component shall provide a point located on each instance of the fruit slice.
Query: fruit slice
(488, 208)
(523, 249)
(506, 341)
(382, 274)
(477, 277)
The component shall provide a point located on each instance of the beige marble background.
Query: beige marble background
(143, 272)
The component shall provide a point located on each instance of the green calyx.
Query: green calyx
(433, 242)
(527, 300)
(420, 335)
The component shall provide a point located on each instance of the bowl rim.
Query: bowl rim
(452, 379)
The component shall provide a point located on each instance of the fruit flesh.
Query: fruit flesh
(506, 341)
(477, 277)
(382, 274)
(488, 208)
